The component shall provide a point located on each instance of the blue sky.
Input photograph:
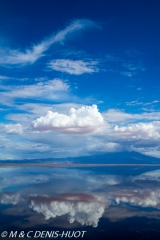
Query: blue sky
(79, 78)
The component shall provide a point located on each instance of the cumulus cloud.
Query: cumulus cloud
(139, 130)
(141, 137)
(111, 133)
(83, 208)
(134, 132)
(75, 67)
(31, 55)
(51, 89)
(85, 119)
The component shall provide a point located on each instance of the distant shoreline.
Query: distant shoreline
(75, 165)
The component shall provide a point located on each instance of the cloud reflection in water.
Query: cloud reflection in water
(84, 208)
(72, 198)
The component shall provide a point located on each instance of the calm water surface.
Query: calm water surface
(106, 203)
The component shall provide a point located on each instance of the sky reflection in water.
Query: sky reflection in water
(96, 200)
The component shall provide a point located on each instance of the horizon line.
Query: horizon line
(77, 165)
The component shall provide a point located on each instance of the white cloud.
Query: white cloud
(134, 132)
(76, 67)
(153, 151)
(120, 117)
(30, 55)
(34, 110)
(20, 148)
(14, 128)
(135, 103)
(83, 208)
(139, 131)
(102, 145)
(140, 137)
(86, 119)
(53, 89)
(117, 116)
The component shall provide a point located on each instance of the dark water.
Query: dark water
(88, 203)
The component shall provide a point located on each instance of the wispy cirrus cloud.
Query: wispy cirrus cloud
(32, 54)
(136, 102)
(127, 65)
(4, 77)
(52, 89)
(74, 67)
(131, 69)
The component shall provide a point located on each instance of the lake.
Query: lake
(85, 202)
